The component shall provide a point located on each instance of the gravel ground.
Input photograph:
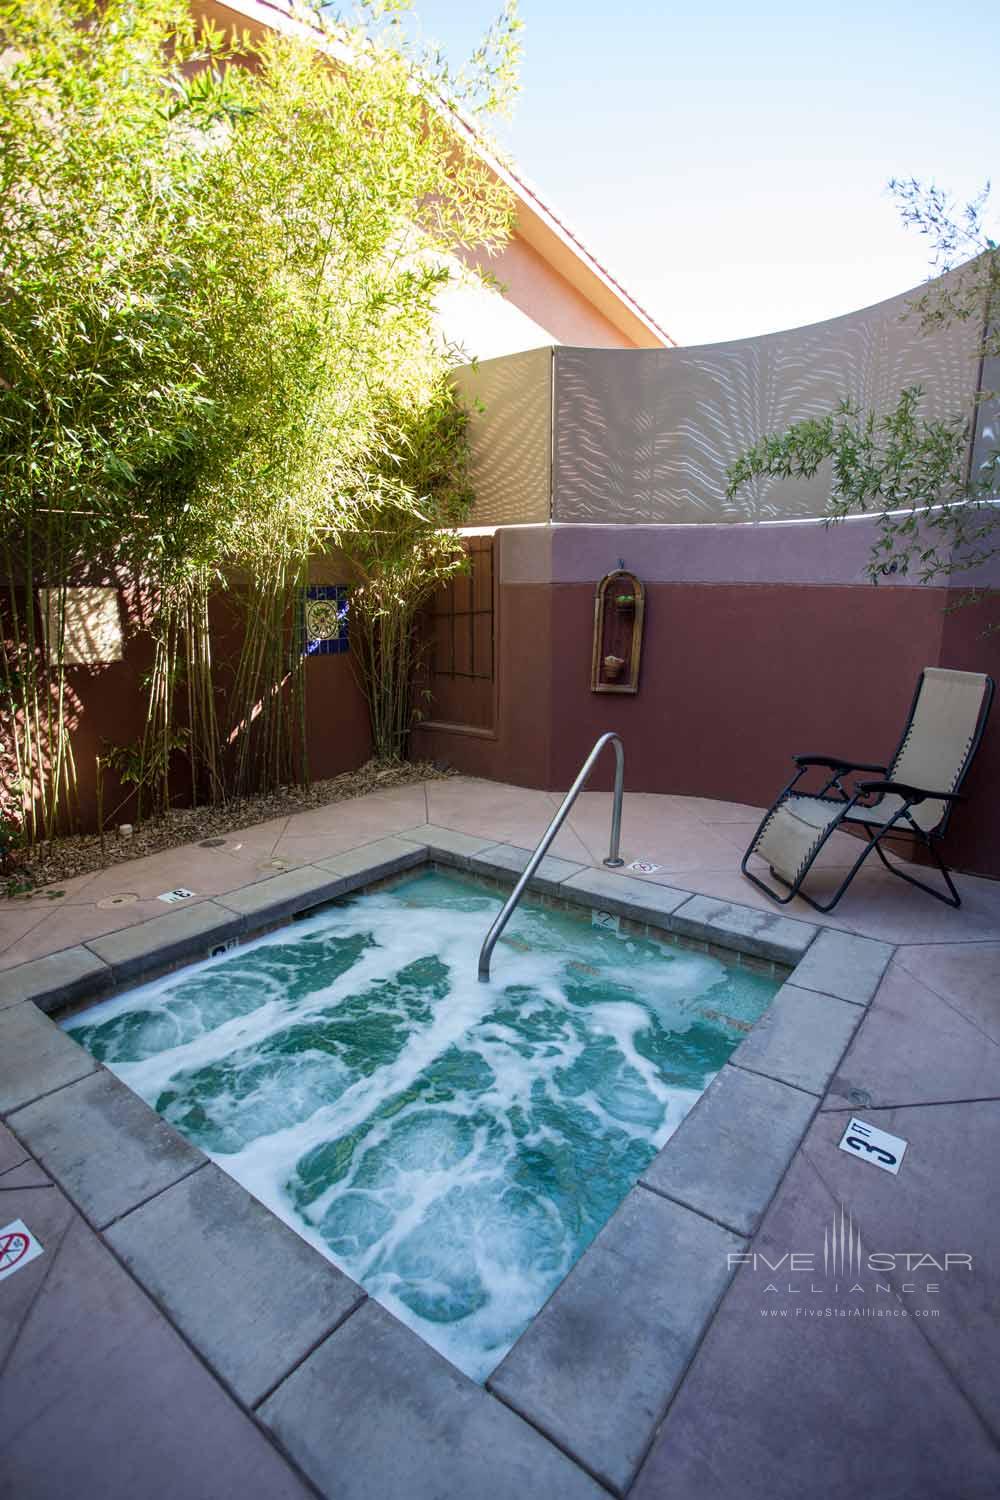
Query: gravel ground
(80, 854)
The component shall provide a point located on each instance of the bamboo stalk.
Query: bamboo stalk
(100, 807)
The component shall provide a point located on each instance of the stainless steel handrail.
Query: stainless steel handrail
(613, 860)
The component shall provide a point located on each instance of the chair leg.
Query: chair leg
(763, 886)
(795, 888)
(825, 906)
(953, 899)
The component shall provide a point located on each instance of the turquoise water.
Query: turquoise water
(453, 1146)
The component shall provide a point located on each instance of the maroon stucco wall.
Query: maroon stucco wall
(338, 736)
(106, 705)
(736, 677)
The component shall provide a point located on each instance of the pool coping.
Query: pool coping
(647, 1287)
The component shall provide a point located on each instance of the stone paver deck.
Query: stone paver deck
(145, 1351)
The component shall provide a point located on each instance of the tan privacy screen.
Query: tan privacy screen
(646, 435)
(511, 439)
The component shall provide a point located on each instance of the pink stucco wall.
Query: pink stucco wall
(547, 297)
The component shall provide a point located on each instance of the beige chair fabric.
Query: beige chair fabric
(788, 842)
(938, 740)
(932, 757)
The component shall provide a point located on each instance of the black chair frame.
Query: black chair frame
(870, 794)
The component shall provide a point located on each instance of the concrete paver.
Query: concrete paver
(940, 1211)
(737, 1143)
(35, 1056)
(841, 964)
(373, 1413)
(101, 1397)
(914, 1047)
(104, 1393)
(799, 1039)
(79, 1131)
(785, 1401)
(245, 1289)
(599, 1363)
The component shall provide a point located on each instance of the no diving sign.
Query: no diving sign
(18, 1248)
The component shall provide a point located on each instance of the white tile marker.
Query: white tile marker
(18, 1248)
(874, 1145)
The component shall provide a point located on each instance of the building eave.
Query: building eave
(536, 222)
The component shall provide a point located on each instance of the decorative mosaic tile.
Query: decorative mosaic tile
(324, 611)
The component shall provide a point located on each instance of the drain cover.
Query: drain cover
(211, 843)
(125, 898)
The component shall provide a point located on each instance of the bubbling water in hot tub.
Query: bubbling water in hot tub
(451, 1145)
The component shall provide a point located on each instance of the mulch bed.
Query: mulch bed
(81, 854)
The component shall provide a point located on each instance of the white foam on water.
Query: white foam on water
(460, 1168)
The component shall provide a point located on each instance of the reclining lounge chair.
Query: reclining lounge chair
(914, 795)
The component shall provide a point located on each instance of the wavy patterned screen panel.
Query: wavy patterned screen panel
(511, 438)
(647, 435)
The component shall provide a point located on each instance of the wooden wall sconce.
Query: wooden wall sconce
(619, 605)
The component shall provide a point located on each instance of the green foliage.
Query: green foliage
(397, 542)
(909, 471)
(936, 516)
(10, 838)
(218, 296)
(145, 766)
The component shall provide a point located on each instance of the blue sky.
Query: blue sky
(728, 162)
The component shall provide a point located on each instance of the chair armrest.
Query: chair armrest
(835, 763)
(909, 793)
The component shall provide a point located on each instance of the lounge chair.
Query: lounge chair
(914, 795)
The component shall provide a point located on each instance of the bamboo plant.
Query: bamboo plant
(217, 295)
